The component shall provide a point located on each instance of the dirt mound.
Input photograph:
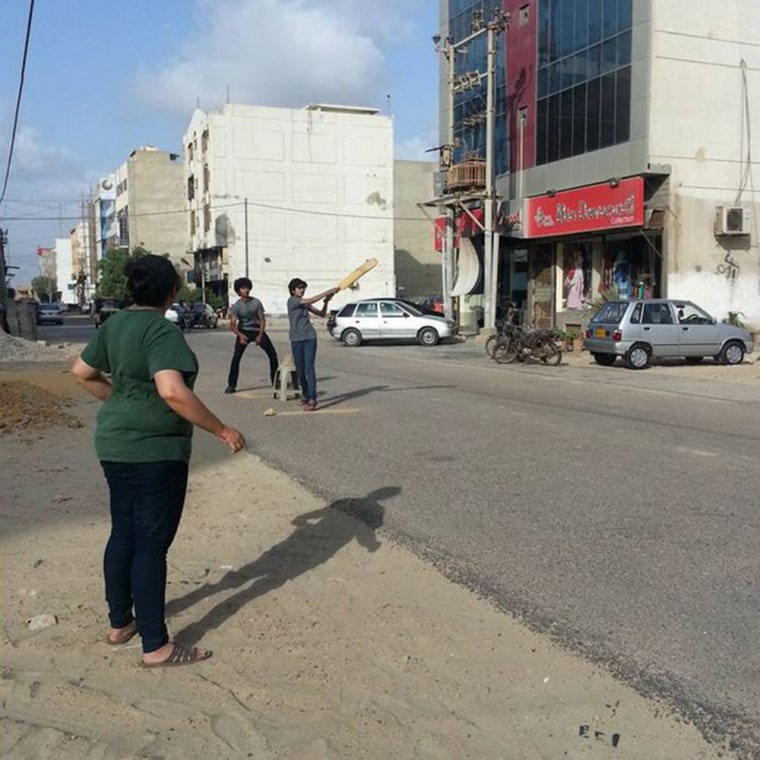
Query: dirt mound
(27, 406)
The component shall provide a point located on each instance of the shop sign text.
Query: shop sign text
(587, 209)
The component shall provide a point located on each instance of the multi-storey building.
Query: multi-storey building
(622, 151)
(149, 203)
(276, 193)
(417, 264)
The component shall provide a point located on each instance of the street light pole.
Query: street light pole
(246, 238)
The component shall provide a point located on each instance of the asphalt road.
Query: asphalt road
(617, 511)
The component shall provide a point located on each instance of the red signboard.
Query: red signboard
(586, 209)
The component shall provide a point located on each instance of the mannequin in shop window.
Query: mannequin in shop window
(621, 278)
(574, 283)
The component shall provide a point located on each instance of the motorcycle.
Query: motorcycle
(534, 343)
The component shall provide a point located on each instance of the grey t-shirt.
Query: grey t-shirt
(249, 314)
(300, 326)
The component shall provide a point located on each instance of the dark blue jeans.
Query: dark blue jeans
(304, 355)
(146, 506)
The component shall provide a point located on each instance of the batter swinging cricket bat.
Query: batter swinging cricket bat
(352, 277)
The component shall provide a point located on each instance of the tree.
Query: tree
(113, 282)
(44, 287)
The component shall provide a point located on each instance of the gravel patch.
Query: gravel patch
(13, 349)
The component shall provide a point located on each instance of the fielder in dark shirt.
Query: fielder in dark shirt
(248, 322)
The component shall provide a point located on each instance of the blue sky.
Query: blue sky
(105, 78)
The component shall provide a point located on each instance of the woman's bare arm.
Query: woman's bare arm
(173, 390)
(92, 380)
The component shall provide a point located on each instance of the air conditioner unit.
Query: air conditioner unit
(733, 220)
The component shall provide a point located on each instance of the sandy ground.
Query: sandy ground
(330, 641)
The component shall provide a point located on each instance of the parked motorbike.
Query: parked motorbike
(521, 344)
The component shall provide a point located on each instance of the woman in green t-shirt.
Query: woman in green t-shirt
(140, 366)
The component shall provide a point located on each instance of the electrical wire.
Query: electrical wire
(271, 207)
(18, 100)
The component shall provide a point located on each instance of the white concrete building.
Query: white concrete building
(276, 193)
(65, 281)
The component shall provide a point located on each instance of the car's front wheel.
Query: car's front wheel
(606, 360)
(732, 353)
(351, 337)
(638, 356)
(427, 336)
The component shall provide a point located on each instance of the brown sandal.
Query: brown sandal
(130, 631)
(180, 656)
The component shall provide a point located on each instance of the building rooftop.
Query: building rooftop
(340, 109)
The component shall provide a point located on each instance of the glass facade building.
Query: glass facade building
(584, 77)
(470, 105)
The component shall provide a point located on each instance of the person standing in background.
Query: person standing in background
(97, 308)
(303, 337)
(249, 323)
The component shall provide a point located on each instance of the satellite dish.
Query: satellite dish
(106, 184)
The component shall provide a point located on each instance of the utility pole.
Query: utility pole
(449, 48)
(3, 287)
(490, 256)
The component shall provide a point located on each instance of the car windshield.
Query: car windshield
(48, 307)
(419, 309)
(412, 308)
(611, 313)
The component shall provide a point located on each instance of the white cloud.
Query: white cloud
(281, 53)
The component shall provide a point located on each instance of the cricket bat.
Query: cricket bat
(352, 277)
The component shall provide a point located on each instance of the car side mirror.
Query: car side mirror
(406, 316)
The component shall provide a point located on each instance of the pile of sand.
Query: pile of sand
(27, 406)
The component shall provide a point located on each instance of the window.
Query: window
(206, 178)
(204, 141)
(190, 188)
(636, 314)
(583, 77)
(193, 223)
(123, 222)
(611, 313)
(391, 310)
(206, 218)
(657, 314)
(366, 310)
(347, 310)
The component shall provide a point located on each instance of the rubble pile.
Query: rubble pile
(13, 349)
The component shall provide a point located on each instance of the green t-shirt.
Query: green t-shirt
(136, 424)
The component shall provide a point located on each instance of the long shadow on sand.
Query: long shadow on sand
(318, 535)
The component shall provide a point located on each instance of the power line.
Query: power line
(18, 99)
(271, 207)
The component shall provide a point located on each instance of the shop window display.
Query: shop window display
(577, 276)
(630, 269)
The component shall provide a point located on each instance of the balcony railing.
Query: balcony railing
(468, 175)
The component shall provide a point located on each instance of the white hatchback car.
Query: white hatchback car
(388, 319)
